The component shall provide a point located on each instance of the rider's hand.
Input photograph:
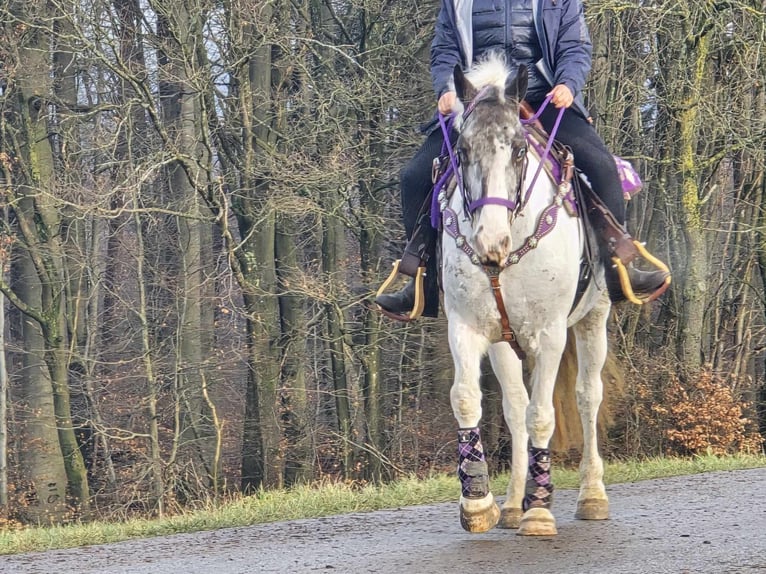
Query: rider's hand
(447, 103)
(561, 96)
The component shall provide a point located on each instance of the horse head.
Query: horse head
(491, 149)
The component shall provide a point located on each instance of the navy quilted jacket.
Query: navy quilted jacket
(561, 29)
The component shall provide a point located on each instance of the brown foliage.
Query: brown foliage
(701, 413)
(706, 416)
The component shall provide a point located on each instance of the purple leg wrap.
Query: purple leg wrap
(472, 465)
(539, 491)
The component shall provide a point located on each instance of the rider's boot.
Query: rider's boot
(618, 251)
(400, 302)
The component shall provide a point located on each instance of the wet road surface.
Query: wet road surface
(711, 523)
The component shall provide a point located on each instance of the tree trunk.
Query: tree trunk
(262, 460)
(157, 482)
(332, 252)
(370, 250)
(41, 462)
(293, 398)
(3, 413)
(38, 217)
(195, 439)
(255, 257)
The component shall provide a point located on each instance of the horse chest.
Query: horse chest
(535, 294)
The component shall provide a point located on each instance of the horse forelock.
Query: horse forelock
(488, 76)
(491, 70)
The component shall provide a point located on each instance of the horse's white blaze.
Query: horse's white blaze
(538, 293)
(492, 230)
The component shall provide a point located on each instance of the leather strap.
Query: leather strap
(619, 243)
(508, 335)
(418, 250)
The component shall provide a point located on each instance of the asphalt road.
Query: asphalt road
(709, 523)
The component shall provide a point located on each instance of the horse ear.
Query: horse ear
(464, 89)
(516, 86)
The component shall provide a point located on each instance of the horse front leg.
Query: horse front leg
(591, 338)
(507, 368)
(538, 519)
(478, 510)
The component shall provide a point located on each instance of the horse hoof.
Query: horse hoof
(510, 518)
(537, 522)
(480, 520)
(592, 509)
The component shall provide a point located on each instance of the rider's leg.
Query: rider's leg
(415, 180)
(596, 162)
(415, 183)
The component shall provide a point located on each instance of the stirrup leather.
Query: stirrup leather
(417, 308)
(627, 288)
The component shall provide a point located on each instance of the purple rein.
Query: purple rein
(510, 204)
(445, 177)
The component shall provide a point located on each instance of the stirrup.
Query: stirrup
(417, 308)
(627, 288)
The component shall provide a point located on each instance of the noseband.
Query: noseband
(511, 205)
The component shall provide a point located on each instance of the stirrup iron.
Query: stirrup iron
(627, 288)
(417, 308)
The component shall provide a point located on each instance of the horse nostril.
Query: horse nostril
(491, 259)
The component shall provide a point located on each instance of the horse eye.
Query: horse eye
(521, 152)
(462, 156)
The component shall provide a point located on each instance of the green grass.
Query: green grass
(330, 499)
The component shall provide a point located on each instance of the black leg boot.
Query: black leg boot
(400, 302)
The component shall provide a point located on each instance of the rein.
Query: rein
(545, 224)
(549, 145)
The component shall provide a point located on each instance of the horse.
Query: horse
(511, 259)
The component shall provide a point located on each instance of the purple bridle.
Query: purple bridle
(510, 204)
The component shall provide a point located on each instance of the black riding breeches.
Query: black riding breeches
(415, 179)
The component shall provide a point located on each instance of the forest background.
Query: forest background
(200, 196)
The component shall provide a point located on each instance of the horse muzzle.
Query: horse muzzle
(492, 251)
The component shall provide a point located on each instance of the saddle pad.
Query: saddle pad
(631, 183)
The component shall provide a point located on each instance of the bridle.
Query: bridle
(514, 203)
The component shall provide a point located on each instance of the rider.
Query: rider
(550, 38)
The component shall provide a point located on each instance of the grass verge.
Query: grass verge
(329, 499)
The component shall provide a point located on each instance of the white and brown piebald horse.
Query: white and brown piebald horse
(511, 260)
